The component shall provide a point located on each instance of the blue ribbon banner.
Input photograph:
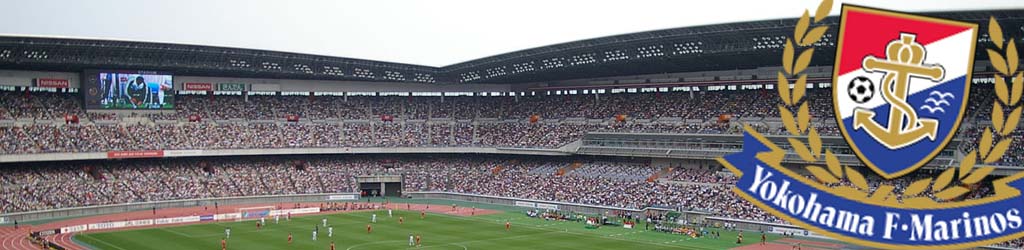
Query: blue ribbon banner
(810, 205)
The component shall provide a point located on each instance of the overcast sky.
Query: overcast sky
(426, 32)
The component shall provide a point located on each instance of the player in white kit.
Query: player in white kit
(277, 218)
(389, 213)
(314, 234)
(325, 221)
(227, 232)
(411, 240)
(330, 232)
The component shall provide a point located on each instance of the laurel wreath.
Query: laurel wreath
(939, 188)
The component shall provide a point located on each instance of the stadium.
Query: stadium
(602, 143)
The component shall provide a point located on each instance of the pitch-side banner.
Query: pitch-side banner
(547, 206)
(106, 225)
(228, 216)
(73, 229)
(341, 197)
(525, 204)
(175, 220)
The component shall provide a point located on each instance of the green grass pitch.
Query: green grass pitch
(438, 231)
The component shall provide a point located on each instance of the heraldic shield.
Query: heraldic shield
(900, 85)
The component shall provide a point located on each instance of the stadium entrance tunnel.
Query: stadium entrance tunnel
(380, 185)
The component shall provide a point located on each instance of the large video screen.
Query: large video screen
(109, 89)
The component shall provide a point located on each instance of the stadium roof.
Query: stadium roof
(742, 45)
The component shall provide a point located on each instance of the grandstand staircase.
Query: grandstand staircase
(451, 133)
(94, 172)
(476, 137)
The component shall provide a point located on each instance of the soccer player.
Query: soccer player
(277, 218)
(330, 232)
(263, 220)
(739, 238)
(418, 238)
(332, 245)
(223, 244)
(764, 239)
(137, 91)
(423, 214)
(411, 240)
(289, 218)
(373, 219)
(389, 213)
(401, 220)
(314, 235)
(289, 238)
(227, 232)
(325, 221)
(508, 225)
(258, 225)
(369, 228)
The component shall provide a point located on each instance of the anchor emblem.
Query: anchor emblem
(904, 59)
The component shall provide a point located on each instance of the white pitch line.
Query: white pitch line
(176, 232)
(584, 234)
(500, 238)
(104, 242)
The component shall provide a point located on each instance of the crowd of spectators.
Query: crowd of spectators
(619, 183)
(46, 137)
(616, 182)
(698, 113)
(703, 105)
(50, 138)
(39, 105)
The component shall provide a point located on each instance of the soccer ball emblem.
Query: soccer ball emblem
(861, 89)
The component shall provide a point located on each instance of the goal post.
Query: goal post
(253, 213)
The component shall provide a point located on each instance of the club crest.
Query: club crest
(900, 89)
